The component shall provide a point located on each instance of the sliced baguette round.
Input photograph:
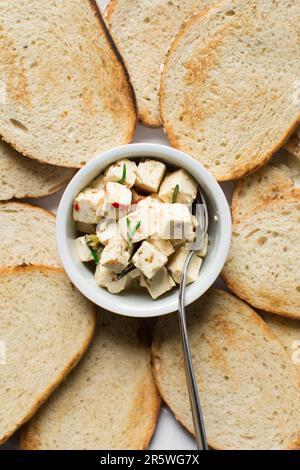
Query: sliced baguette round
(142, 31)
(275, 180)
(248, 386)
(27, 235)
(109, 402)
(67, 95)
(262, 267)
(23, 177)
(226, 87)
(45, 327)
(287, 331)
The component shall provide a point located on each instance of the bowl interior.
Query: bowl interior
(138, 303)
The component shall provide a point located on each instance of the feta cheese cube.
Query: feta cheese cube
(86, 205)
(107, 229)
(187, 188)
(86, 228)
(108, 279)
(149, 202)
(117, 201)
(163, 245)
(176, 222)
(83, 250)
(149, 260)
(159, 284)
(177, 243)
(176, 264)
(116, 254)
(149, 175)
(138, 225)
(135, 274)
(203, 252)
(98, 183)
(122, 171)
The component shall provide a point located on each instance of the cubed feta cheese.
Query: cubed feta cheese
(86, 205)
(138, 225)
(107, 229)
(187, 188)
(83, 250)
(86, 228)
(176, 222)
(177, 243)
(163, 245)
(149, 202)
(108, 279)
(176, 264)
(159, 284)
(116, 254)
(98, 183)
(149, 175)
(117, 201)
(149, 260)
(123, 171)
(203, 252)
(134, 274)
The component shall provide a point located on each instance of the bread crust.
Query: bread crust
(68, 367)
(17, 145)
(243, 169)
(29, 206)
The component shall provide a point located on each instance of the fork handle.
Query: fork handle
(200, 434)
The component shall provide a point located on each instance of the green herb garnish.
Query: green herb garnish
(175, 194)
(132, 232)
(123, 179)
(93, 243)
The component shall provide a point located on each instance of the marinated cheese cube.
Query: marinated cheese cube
(149, 202)
(176, 264)
(186, 191)
(116, 254)
(159, 284)
(83, 250)
(86, 228)
(138, 225)
(108, 279)
(149, 175)
(107, 229)
(98, 183)
(123, 171)
(87, 204)
(203, 252)
(117, 201)
(176, 222)
(163, 245)
(149, 260)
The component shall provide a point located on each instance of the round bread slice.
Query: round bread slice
(142, 31)
(66, 92)
(287, 331)
(45, 327)
(22, 177)
(27, 235)
(263, 263)
(293, 144)
(109, 402)
(226, 89)
(248, 386)
(275, 180)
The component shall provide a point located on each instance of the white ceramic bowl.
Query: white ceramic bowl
(140, 304)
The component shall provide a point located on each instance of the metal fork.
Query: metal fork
(201, 212)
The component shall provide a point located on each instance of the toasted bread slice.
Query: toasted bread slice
(67, 95)
(27, 235)
(22, 177)
(275, 180)
(263, 263)
(248, 386)
(45, 327)
(143, 31)
(224, 97)
(110, 400)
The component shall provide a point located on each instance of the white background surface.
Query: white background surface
(169, 434)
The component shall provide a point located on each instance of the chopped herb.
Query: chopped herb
(175, 194)
(93, 243)
(132, 232)
(95, 255)
(123, 179)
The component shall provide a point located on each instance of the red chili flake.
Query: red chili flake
(116, 205)
(76, 206)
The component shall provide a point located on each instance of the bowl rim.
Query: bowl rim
(180, 159)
